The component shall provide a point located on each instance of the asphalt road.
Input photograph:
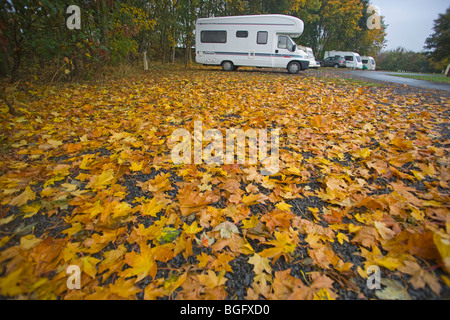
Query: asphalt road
(385, 76)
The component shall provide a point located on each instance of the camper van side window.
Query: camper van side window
(348, 58)
(262, 37)
(214, 36)
(282, 42)
(242, 34)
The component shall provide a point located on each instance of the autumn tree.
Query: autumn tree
(34, 34)
(339, 25)
(402, 59)
(368, 42)
(438, 43)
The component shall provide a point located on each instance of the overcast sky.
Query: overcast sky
(410, 21)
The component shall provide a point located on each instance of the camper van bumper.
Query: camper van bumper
(305, 65)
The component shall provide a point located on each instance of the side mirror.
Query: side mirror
(294, 48)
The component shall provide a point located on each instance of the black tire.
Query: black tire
(294, 67)
(235, 68)
(227, 66)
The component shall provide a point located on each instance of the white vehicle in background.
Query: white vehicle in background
(256, 41)
(352, 59)
(313, 63)
(369, 63)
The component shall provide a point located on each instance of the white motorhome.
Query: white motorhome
(313, 63)
(257, 41)
(352, 59)
(369, 63)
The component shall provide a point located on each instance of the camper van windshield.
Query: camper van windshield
(284, 42)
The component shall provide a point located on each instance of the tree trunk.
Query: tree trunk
(104, 22)
(162, 46)
(172, 54)
(15, 67)
(4, 65)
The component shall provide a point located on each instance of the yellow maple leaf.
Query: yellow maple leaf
(23, 198)
(30, 210)
(10, 285)
(54, 143)
(211, 280)
(283, 244)
(341, 237)
(69, 187)
(363, 153)
(136, 166)
(192, 229)
(76, 227)
(102, 180)
(250, 223)
(323, 294)
(142, 264)
(443, 245)
(89, 266)
(283, 206)
(416, 213)
(203, 260)
(124, 288)
(384, 231)
(29, 241)
(419, 175)
(253, 199)
(221, 263)
(260, 264)
(87, 159)
(151, 208)
(315, 212)
(388, 262)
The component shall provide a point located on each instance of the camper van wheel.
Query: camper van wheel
(294, 67)
(336, 66)
(227, 66)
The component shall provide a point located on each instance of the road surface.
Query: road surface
(390, 77)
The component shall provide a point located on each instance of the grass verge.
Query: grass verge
(433, 78)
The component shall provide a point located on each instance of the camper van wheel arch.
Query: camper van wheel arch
(228, 66)
(294, 67)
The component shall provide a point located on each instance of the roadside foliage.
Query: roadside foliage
(87, 180)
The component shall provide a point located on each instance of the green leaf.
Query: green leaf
(168, 234)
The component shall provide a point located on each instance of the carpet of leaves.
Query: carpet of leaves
(86, 179)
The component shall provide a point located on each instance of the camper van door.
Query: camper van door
(264, 44)
(283, 51)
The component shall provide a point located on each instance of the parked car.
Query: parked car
(352, 59)
(336, 62)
